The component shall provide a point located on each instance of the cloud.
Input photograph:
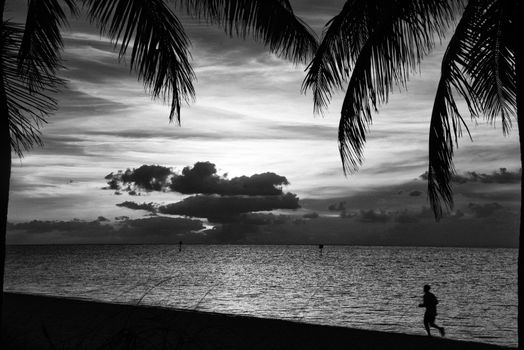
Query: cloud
(373, 216)
(229, 203)
(149, 230)
(502, 176)
(74, 226)
(312, 215)
(146, 177)
(151, 207)
(485, 210)
(161, 225)
(261, 219)
(224, 209)
(426, 214)
(409, 217)
(404, 216)
(415, 193)
(341, 206)
(203, 178)
(246, 227)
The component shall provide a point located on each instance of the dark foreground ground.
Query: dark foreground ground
(37, 322)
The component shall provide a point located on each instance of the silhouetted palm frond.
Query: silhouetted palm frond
(342, 40)
(446, 121)
(269, 21)
(479, 64)
(491, 64)
(41, 44)
(158, 44)
(401, 33)
(27, 107)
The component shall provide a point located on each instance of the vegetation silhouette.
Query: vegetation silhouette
(147, 33)
(375, 45)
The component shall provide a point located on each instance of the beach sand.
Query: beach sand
(41, 322)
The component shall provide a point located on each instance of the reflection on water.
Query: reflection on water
(364, 287)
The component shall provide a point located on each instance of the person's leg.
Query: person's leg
(426, 324)
(440, 329)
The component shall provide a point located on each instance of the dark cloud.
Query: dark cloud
(406, 217)
(502, 176)
(146, 177)
(313, 215)
(203, 178)
(409, 217)
(149, 230)
(260, 219)
(373, 216)
(401, 217)
(248, 227)
(485, 210)
(337, 207)
(151, 207)
(74, 226)
(415, 193)
(229, 202)
(225, 209)
(162, 225)
(425, 214)
(457, 215)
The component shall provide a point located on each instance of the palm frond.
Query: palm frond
(27, 107)
(41, 44)
(159, 46)
(491, 64)
(342, 39)
(446, 121)
(478, 65)
(271, 22)
(401, 33)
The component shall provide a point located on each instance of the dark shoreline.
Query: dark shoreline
(42, 322)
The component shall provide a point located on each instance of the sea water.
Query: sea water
(376, 288)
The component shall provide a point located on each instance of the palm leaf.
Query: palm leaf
(271, 22)
(342, 40)
(401, 33)
(446, 121)
(479, 65)
(491, 64)
(159, 46)
(27, 107)
(41, 44)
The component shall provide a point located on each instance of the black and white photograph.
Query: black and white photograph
(261, 174)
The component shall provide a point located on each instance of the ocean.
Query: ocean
(376, 288)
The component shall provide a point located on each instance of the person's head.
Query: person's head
(426, 288)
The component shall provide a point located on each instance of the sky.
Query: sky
(250, 117)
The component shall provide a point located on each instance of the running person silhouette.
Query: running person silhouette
(430, 303)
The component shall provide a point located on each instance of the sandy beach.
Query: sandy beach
(41, 322)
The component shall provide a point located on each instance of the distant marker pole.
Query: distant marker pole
(320, 248)
(180, 246)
